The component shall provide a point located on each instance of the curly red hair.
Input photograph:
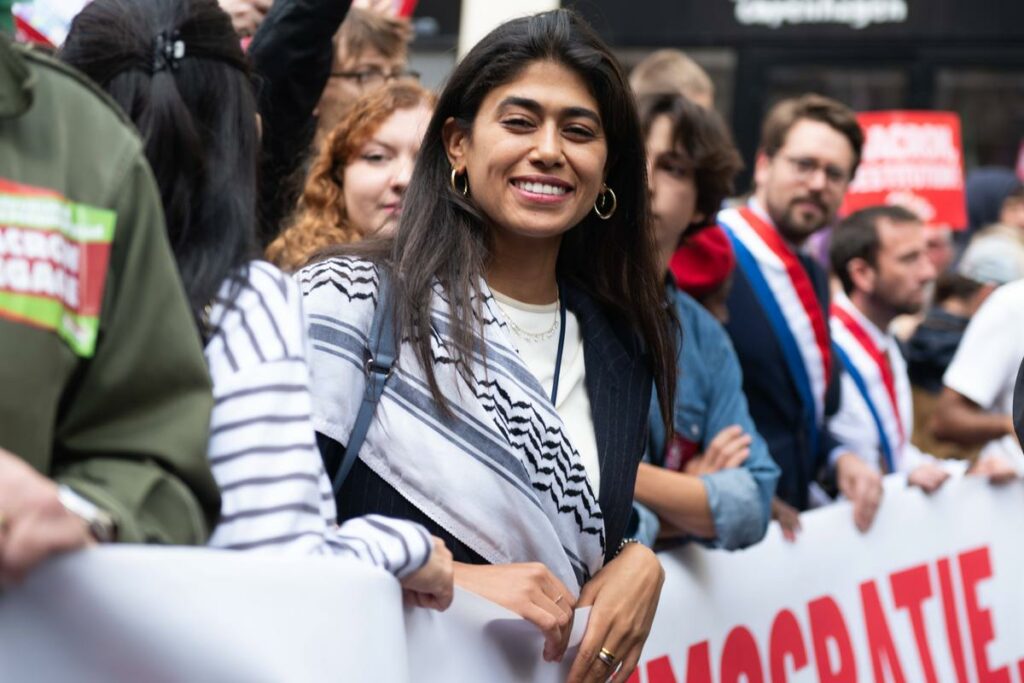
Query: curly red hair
(320, 219)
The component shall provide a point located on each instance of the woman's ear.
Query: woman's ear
(455, 139)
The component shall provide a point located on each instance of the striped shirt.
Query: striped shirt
(275, 493)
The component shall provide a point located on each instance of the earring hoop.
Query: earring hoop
(603, 201)
(454, 180)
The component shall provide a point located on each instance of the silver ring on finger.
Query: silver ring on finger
(607, 658)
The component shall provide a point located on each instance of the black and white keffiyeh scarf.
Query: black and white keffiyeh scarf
(501, 475)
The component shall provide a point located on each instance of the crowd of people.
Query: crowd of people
(513, 336)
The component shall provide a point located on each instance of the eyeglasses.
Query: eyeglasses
(372, 77)
(806, 167)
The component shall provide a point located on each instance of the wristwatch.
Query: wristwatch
(101, 525)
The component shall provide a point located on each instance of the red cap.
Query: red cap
(703, 262)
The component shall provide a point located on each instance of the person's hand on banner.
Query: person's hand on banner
(928, 477)
(432, 584)
(34, 524)
(623, 598)
(862, 485)
(246, 15)
(996, 468)
(788, 518)
(729, 449)
(530, 590)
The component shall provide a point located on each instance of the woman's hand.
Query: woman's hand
(33, 523)
(432, 584)
(623, 598)
(531, 591)
(730, 448)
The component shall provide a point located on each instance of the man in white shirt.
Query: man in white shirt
(880, 257)
(977, 401)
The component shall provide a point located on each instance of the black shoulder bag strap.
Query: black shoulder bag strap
(381, 354)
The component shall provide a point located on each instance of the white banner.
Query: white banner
(156, 615)
(934, 592)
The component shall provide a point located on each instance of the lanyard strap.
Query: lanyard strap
(561, 346)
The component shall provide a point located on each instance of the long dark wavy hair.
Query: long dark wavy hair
(197, 117)
(442, 234)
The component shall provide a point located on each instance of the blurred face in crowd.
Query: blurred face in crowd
(939, 243)
(353, 75)
(375, 180)
(535, 154)
(673, 188)
(898, 282)
(802, 185)
(1012, 212)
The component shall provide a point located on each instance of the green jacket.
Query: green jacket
(103, 385)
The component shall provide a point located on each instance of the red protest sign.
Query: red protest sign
(913, 159)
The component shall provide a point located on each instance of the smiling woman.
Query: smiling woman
(529, 303)
(358, 178)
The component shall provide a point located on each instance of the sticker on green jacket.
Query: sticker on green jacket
(54, 256)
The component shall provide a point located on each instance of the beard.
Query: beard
(798, 221)
(907, 304)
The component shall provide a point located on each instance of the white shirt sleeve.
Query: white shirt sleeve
(986, 362)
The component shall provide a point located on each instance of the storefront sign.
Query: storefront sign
(857, 14)
(912, 159)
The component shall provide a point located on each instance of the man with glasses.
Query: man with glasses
(778, 307)
(370, 49)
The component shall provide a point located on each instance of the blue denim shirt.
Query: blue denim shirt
(709, 398)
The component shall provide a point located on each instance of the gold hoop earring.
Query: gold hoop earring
(464, 191)
(603, 201)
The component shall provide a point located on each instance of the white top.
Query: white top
(274, 490)
(985, 366)
(572, 402)
(853, 424)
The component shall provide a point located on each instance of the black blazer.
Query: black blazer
(771, 392)
(619, 384)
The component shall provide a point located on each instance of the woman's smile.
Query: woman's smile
(543, 190)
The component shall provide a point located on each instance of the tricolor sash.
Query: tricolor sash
(786, 294)
(871, 371)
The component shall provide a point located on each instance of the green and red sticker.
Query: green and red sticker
(54, 255)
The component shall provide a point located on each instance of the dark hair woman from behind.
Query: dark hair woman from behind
(176, 68)
(530, 302)
(196, 114)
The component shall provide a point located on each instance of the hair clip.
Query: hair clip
(168, 50)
